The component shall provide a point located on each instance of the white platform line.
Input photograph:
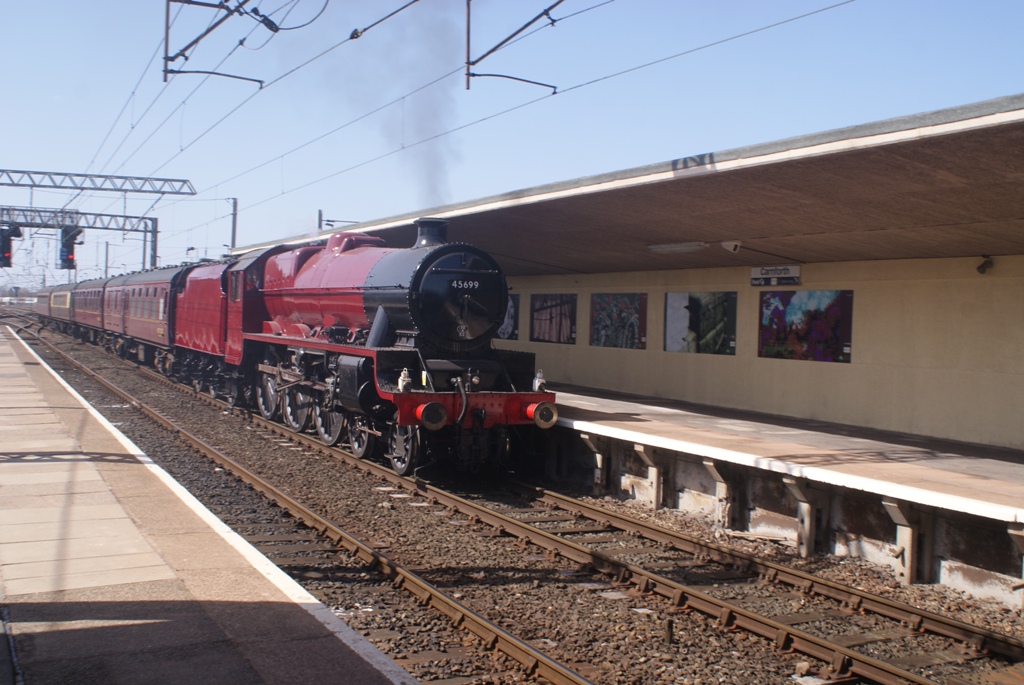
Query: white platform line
(295, 592)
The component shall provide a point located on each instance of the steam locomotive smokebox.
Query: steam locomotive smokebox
(448, 296)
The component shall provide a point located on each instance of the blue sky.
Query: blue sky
(358, 133)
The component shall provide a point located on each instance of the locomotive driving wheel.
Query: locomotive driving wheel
(360, 440)
(295, 408)
(266, 396)
(330, 425)
(404, 446)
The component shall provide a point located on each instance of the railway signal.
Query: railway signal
(68, 237)
(5, 247)
(6, 234)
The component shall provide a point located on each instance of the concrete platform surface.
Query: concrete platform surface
(111, 573)
(971, 479)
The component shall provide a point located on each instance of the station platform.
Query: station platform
(110, 572)
(969, 479)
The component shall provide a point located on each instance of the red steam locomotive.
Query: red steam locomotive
(377, 346)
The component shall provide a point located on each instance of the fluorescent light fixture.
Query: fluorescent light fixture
(674, 248)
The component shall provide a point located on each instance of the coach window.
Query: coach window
(235, 286)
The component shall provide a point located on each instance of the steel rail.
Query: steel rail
(492, 636)
(842, 660)
(917, 619)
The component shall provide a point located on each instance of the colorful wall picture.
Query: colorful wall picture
(700, 322)
(619, 320)
(553, 319)
(806, 324)
(509, 328)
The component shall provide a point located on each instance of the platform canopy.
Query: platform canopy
(941, 184)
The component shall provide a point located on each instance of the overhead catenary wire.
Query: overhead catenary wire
(356, 33)
(707, 46)
(149, 108)
(534, 101)
(134, 126)
(124, 108)
(174, 111)
(224, 59)
(127, 102)
(255, 13)
(576, 87)
(161, 93)
(520, 35)
(388, 104)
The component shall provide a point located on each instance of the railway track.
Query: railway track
(858, 637)
(306, 550)
(795, 609)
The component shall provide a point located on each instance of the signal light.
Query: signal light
(5, 247)
(68, 236)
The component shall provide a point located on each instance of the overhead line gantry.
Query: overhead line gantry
(128, 184)
(71, 223)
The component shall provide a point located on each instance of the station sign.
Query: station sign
(775, 275)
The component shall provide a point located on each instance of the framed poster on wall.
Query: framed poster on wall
(619, 320)
(814, 325)
(700, 322)
(553, 319)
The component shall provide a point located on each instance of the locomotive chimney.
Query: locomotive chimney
(431, 232)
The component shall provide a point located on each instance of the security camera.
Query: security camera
(731, 245)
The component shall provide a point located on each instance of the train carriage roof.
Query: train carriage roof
(168, 275)
(92, 283)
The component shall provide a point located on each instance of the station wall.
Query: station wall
(936, 349)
